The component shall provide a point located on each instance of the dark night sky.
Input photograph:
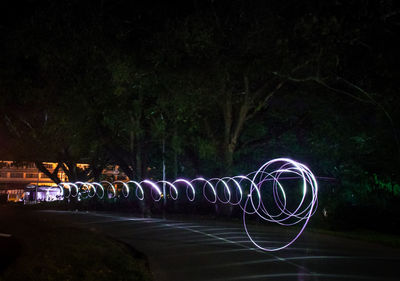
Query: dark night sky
(138, 21)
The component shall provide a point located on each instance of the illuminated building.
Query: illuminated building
(15, 177)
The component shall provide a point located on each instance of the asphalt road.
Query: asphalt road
(213, 250)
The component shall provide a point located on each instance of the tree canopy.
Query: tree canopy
(225, 84)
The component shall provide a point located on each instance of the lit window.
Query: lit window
(43, 176)
(16, 175)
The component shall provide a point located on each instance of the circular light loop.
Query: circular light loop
(263, 193)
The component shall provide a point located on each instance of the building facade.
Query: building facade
(16, 177)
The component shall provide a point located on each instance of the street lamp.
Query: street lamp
(163, 162)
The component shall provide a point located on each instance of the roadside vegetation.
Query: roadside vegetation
(50, 251)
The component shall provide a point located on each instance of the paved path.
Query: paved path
(214, 250)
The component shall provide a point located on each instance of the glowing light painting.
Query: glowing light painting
(266, 193)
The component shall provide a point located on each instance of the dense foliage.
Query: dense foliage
(225, 84)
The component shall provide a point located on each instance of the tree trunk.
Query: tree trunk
(138, 156)
(53, 176)
(175, 153)
(228, 159)
(227, 111)
(232, 131)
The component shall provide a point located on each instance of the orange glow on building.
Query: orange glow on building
(15, 177)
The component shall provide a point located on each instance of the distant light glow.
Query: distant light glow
(260, 193)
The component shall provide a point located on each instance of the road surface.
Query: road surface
(214, 250)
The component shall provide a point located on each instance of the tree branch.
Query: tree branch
(53, 176)
(322, 83)
(264, 102)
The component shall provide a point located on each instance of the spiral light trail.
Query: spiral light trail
(264, 193)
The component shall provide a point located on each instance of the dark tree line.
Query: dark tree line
(226, 85)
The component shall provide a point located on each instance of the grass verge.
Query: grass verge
(49, 251)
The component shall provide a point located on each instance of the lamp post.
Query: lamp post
(163, 164)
